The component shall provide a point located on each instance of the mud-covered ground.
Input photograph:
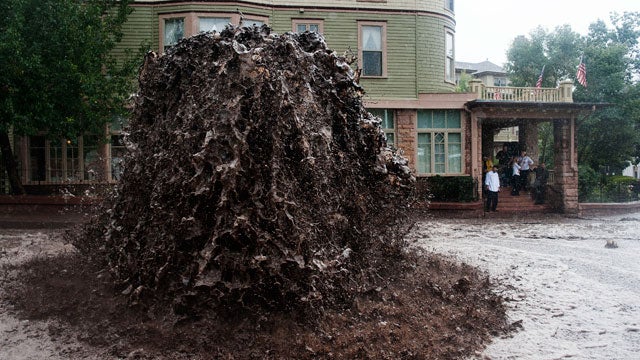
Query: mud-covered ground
(569, 296)
(574, 297)
(55, 306)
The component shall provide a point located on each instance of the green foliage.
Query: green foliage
(463, 83)
(595, 187)
(610, 136)
(545, 144)
(57, 71)
(449, 188)
(588, 179)
(556, 51)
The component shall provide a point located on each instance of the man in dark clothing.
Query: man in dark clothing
(503, 160)
(540, 185)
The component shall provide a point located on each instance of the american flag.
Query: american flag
(539, 83)
(581, 75)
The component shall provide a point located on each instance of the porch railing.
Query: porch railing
(563, 93)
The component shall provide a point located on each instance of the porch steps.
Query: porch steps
(522, 204)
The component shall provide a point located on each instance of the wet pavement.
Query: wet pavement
(574, 297)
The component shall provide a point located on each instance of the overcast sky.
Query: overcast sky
(485, 28)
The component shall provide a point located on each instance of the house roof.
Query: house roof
(479, 68)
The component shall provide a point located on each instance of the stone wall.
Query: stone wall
(566, 164)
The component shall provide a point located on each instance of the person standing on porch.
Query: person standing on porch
(515, 177)
(540, 185)
(492, 185)
(525, 167)
(503, 160)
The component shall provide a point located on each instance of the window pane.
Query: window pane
(448, 69)
(455, 152)
(388, 122)
(371, 50)
(372, 63)
(314, 28)
(424, 153)
(424, 119)
(118, 151)
(390, 139)
(37, 159)
(439, 153)
(55, 158)
(439, 119)
(249, 22)
(449, 45)
(212, 24)
(173, 31)
(301, 28)
(449, 4)
(386, 116)
(372, 38)
(72, 160)
(453, 119)
(449, 66)
(91, 158)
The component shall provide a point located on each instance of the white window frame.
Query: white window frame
(449, 5)
(385, 115)
(74, 174)
(449, 57)
(163, 19)
(432, 131)
(225, 17)
(192, 22)
(307, 23)
(383, 47)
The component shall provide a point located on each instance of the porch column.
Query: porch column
(476, 151)
(528, 138)
(566, 165)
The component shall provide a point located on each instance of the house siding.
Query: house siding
(415, 35)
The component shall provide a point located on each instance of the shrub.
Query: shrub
(449, 188)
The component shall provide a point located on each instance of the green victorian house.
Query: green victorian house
(405, 50)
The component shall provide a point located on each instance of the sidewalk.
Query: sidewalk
(41, 216)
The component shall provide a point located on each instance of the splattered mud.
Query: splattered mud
(53, 305)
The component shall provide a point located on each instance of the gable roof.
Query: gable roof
(479, 68)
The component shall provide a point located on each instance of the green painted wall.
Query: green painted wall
(415, 41)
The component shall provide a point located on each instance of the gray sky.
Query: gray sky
(485, 28)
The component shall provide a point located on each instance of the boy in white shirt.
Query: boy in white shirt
(492, 184)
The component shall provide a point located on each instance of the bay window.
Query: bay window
(173, 32)
(388, 124)
(439, 143)
(217, 24)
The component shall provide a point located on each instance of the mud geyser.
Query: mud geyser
(254, 178)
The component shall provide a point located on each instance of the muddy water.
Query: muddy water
(574, 297)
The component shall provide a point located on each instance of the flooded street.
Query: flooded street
(573, 297)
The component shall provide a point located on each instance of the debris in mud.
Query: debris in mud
(611, 244)
(254, 177)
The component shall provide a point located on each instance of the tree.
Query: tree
(58, 73)
(557, 51)
(608, 137)
(463, 83)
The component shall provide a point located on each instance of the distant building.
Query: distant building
(489, 73)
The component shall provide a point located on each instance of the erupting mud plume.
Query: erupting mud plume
(254, 177)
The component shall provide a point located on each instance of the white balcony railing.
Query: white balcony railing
(563, 93)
